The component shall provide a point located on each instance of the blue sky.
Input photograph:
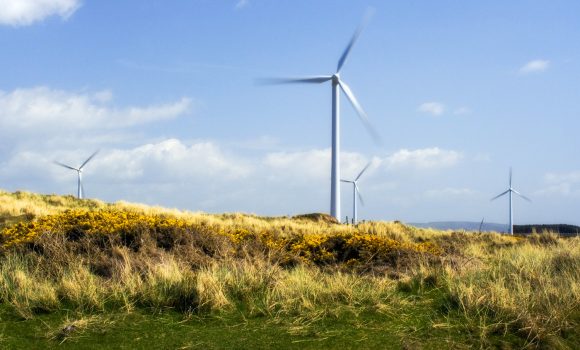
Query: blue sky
(459, 91)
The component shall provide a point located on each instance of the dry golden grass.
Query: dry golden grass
(23, 286)
(533, 289)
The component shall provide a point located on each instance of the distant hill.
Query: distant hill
(563, 229)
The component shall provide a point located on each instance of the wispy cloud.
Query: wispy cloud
(449, 192)
(534, 66)
(26, 12)
(462, 111)
(181, 68)
(43, 108)
(242, 3)
(314, 164)
(423, 158)
(561, 184)
(433, 108)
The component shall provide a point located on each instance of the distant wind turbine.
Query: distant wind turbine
(79, 170)
(355, 192)
(509, 191)
(336, 83)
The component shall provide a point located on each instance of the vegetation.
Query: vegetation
(75, 272)
(561, 229)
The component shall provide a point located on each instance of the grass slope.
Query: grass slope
(83, 273)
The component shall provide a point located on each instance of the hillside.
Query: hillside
(76, 273)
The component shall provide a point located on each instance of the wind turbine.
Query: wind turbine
(79, 170)
(337, 85)
(509, 191)
(355, 192)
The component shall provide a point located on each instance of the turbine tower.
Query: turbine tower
(79, 170)
(355, 192)
(509, 191)
(337, 85)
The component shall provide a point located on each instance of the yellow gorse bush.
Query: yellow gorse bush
(104, 222)
(318, 247)
(355, 246)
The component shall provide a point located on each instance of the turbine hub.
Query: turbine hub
(335, 78)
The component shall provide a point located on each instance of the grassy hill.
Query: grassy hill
(83, 273)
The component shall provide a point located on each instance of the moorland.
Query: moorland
(84, 273)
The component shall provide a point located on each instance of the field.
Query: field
(85, 274)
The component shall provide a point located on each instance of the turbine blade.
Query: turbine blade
(361, 113)
(359, 195)
(89, 159)
(521, 195)
(499, 195)
(510, 177)
(65, 166)
(312, 80)
(353, 40)
(362, 171)
(341, 180)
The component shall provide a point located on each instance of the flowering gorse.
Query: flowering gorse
(349, 246)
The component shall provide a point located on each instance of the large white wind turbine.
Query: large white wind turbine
(79, 170)
(355, 192)
(336, 83)
(509, 191)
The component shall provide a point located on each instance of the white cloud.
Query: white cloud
(172, 160)
(43, 109)
(26, 12)
(434, 108)
(307, 164)
(304, 166)
(199, 175)
(423, 158)
(535, 66)
(167, 161)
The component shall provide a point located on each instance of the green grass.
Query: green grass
(419, 325)
(424, 317)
